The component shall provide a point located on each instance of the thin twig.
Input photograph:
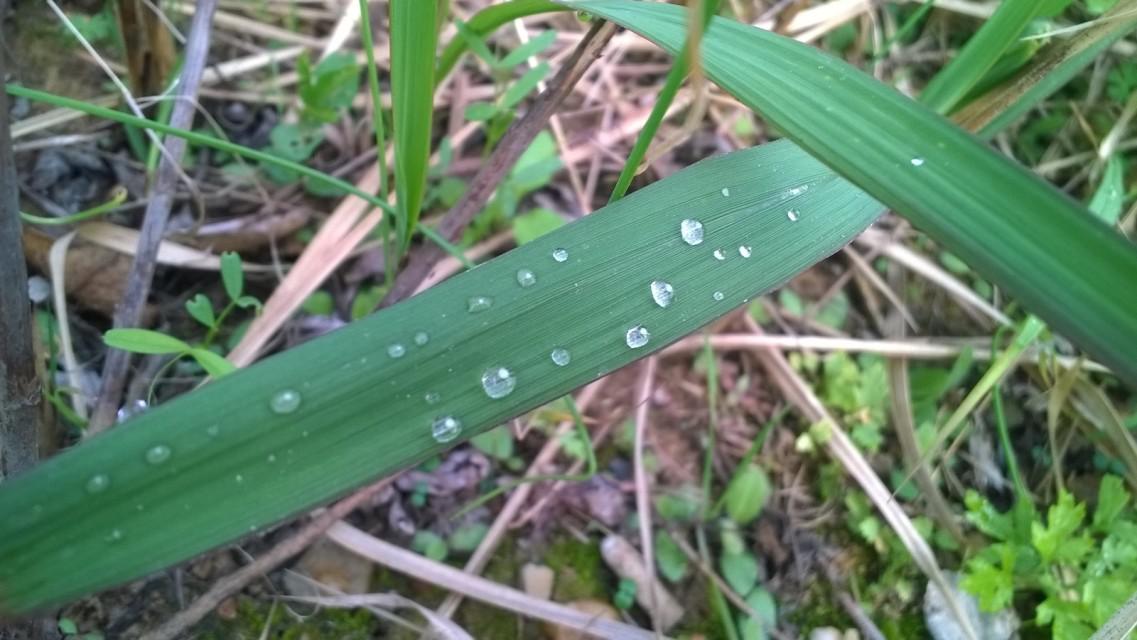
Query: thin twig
(643, 490)
(276, 556)
(19, 386)
(129, 312)
(512, 145)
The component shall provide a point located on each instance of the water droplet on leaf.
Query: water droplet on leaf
(691, 231)
(432, 397)
(662, 292)
(725, 192)
(793, 215)
(719, 255)
(917, 162)
(285, 401)
(744, 251)
(445, 428)
(98, 483)
(718, 296)
(396, 350)
(637, 337)
(560, 356)
(498, 382)
(560, 255)
(478, 304)
(158, 454)
(526, 277)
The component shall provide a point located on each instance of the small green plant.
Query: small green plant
(200, 308)
(1076, 570)
(70, 630)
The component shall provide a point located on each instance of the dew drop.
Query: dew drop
(478, 304)
(114, 536)
(725, 192)
(498, 382)
(432, 397)
(793, 215)
(526, 277)
(692, 231)
(158, 454)
(718, 296)
(421, 338)
(637, 337)
(238, 478)
(662, 292)
(396, 350)
(98, 483)
(285, 401)
(271, 458)
(213, 431)
(917, 162)
(561, 357)
(745, 251)
(719, 255)
(445, 428)
(560, 255)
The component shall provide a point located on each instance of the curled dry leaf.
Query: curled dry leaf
(95, 275)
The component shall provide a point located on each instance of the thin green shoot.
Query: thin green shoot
(487, 21)
(389, 257)
(905, 29)
(752, 451)
(235, 149)
(718, 601)
(589, 461)
(713, 414)
(118, 196)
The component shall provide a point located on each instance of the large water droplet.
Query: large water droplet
(396, 350)
(917, 162)
(718, 296)
(285, 401)
(560, 255)
(445, 428)
(560, 357)
(793, 215)
(478, 304)
(745, 251)
(719, 254)
(526, 277)
(98, 483)
(662, 292)
(692, 231)
(158, 454)
(432, 397)
(421, 338)
(726, 192)
(498, 382)
(637, 337)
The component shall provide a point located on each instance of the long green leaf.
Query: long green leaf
(1019, 231)
(487, 21)
(211, 466)
(414, 38)
(980, 54)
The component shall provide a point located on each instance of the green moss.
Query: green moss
(252, 620)
(579, 569)
(484, 621)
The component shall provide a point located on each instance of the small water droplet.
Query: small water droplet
(421, 338)
(692, 231)
(285, 401)
(98, 483)
(917, 162)
(445, 428)
(158, 454)
(396, 350)
(726, 192)
(560, 255)
(498, 382)
(213, 431)
(114, 536)
(478, 304)
(745, 251)
(718, 296)
(432, 397)
(637, 337)
(271, 458)
(560, 356)
(526, 277)
(793, 215)
(795, 192)
(662, 292)
(719, 254)
(131, 409)
(238, 478)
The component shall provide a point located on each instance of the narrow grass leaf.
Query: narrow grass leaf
(144, 341)
(980, 54)
(414, 38)
(309, 424)
(1022, 233)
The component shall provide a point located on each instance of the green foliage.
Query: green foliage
(747, 493)
(534, 169)
(857, 390)
(1109, 198)
(496, 443)
(679, 505)
(669, 558)
(467, 537)
(534, 224)
(328, 88)
(1077, 572)
(625, 594)
(430, 544)
(99, 28)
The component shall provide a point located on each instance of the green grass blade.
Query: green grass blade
(1017, 230)
(1053, 66)
(486, 22)
(414, 38)
(980, 54)
(226, 463)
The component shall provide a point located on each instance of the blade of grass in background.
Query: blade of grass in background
(1053, 67)
(1015, 229)
(486, 22)
(979, 55)
(414, 38)
(675, 77)
(397, 387)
